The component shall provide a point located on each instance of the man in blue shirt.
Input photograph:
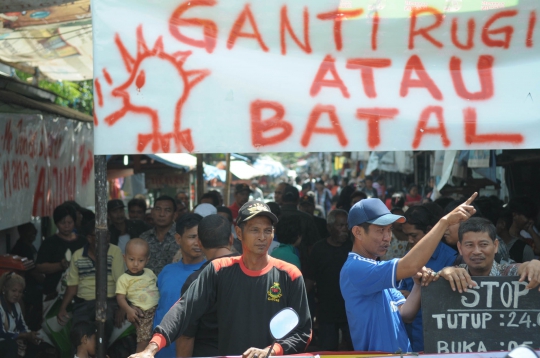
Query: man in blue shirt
(375, 309)
(172, 277)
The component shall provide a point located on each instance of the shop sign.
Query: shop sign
(168, 179)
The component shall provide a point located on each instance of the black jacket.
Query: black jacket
(245, 301)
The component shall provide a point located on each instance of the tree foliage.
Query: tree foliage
(76, 95)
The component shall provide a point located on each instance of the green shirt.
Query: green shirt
(286, 253)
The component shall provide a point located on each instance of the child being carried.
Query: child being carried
(138, 285)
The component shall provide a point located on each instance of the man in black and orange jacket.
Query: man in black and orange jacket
(248, 291)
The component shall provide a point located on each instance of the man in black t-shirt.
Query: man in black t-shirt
(136, 209)
(247, 292)
(309, 232)
(326, 260)
(24, 246)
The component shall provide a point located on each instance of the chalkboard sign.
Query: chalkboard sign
(497, 315)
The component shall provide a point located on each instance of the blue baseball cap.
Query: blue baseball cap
(372, 211)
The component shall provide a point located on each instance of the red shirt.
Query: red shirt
(412, 199)
(388, 203)
(235, 209)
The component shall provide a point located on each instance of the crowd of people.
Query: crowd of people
(348, 257)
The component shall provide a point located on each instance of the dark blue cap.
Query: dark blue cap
(372, 211)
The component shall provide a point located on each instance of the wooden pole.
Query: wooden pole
(227, 191)
(100, 168)
(35, 80)
(200, 179)
(415, 168)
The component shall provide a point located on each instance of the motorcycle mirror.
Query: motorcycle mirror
(283, 323)
(522, 352)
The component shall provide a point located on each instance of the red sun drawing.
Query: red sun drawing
(154, 72)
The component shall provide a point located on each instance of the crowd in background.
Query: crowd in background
(312, 234)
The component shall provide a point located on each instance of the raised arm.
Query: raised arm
(420, 254)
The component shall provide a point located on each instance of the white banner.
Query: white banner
(311, 75)
(45, 161)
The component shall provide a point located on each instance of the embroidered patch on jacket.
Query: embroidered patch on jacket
(274, 293)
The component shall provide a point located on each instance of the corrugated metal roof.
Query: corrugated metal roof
(25, 5)
(26, 89)
(13, 98)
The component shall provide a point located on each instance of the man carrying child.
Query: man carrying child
(81, 283)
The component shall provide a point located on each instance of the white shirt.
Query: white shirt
(122, 242)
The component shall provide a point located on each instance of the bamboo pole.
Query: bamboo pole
(200, 179)
(227, 191)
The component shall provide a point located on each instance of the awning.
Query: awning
(269, 166)
(240, 157)
(212, 172)
(244, 171)
(183, 161)
(188, 162)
